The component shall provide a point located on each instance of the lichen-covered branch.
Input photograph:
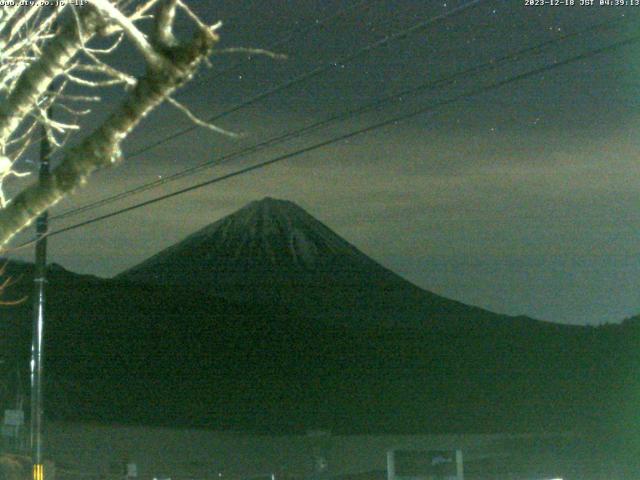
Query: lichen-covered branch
(110, 11)
(5, 283)
(37, 77)
(102, 147)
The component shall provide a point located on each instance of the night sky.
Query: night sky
(521, 200)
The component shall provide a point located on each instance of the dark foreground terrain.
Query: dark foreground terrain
(267, 321)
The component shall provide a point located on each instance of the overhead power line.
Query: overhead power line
(400, 34)
(363, 6)
(270, 142)
(394, 120)
(314, 72)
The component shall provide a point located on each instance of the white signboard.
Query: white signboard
(132, 470)
(14, 418)
(425, 464)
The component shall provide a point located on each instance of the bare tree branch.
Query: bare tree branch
(253, 51)
(35, 79)
(131, 31)
(103, 146)
(164, 24)
(201, 123)
(6, 283)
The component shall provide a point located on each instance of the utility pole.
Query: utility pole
(37, 342)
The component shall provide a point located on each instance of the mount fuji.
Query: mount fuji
(274, 252)
(266, 320)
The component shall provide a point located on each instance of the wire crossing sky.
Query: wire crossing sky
(306, 76)
(494, 63)
(516, 193)
(370, 128)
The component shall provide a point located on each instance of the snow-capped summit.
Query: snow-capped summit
(274, 251)
(265, 238)
(267, 234)
(277, 232)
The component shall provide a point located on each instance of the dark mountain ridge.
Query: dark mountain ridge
(272, 251)
(227, 330)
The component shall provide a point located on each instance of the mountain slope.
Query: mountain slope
(268, 321)
(272, 251)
